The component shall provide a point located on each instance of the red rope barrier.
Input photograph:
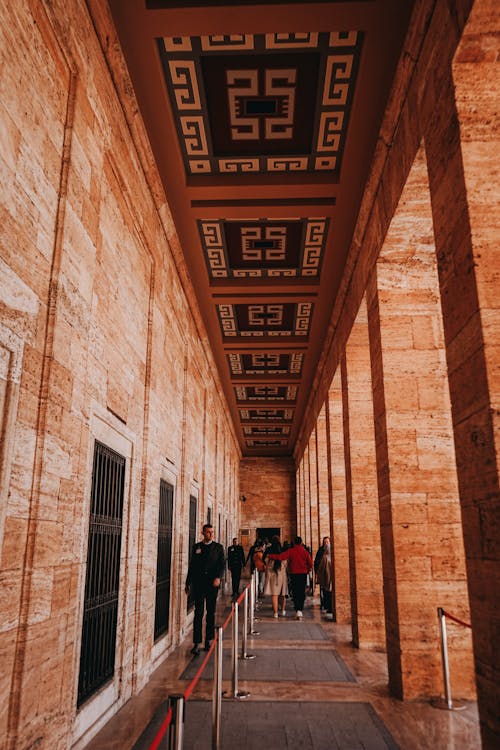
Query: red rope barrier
(228, 619)
(455, 619)
(190, 688)
(159, 736)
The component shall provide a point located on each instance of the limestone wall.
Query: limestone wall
(99, 339)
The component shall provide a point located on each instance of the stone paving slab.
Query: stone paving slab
(277, 665)
(280, 725)
(288, 630)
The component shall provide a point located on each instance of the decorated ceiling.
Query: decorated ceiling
(263, 119)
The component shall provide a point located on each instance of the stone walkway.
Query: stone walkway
(309, 689)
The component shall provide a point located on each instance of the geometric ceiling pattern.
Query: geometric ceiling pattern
(265, 363)
(261, 103)
(264, 320)
(263, 136)
(263, 249)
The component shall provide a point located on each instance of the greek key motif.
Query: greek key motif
(291, 41)
(241, 393)
(343, 38)
(212, 233)
(283, 164)
(227, 319)
(227, 41)
(338, 68)
(296, 364)
(193, 130)
(183, 75)
(291, 393)
(239, 165)
(303, 318)
(235, 364)
(250, 273)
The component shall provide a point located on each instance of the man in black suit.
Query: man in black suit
(235, 563)
(206, 568)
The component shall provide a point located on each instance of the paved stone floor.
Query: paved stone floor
(353, 710)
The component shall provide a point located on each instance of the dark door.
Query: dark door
(164, 559)
(193, 510)
(100, 609)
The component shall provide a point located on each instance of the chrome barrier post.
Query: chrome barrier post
(244, 654)
(237, 694)
(256, 585)
(217, 690)
(447, 703)
(176, 728)
(252, 609)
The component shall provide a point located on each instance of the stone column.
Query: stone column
(367, 606)
(307, 496)
(313, 468)
(322, 461)
(422, 546)
(298, 494)
(338, 507)
(462, 149)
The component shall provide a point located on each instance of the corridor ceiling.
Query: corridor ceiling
(263, 119)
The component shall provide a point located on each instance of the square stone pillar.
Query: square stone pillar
(314, 511)
(365, 560)
(322, 459)
(422, 546)
(338, 506)
(462, 144)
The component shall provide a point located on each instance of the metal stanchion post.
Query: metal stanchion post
(244, 654)
(447, 703)
(256, 585)
(217, 690)
(237, 694)
(252, 609)
(176, 729)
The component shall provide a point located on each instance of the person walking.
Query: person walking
(206, 568)
(325, 578)
(317, 561)
(276, 579)
(259, 565)
(299, 564)
(235, 563)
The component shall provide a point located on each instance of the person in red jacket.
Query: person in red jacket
(299, 565)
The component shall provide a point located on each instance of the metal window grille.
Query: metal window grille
(193, 510)
(100, 611)
(164, 559)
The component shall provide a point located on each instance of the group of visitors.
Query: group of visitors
(281, 568)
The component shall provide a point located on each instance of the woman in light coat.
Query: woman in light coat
(276, 579)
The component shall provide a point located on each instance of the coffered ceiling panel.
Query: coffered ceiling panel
(263, 118)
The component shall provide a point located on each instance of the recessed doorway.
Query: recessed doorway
(268, 532)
